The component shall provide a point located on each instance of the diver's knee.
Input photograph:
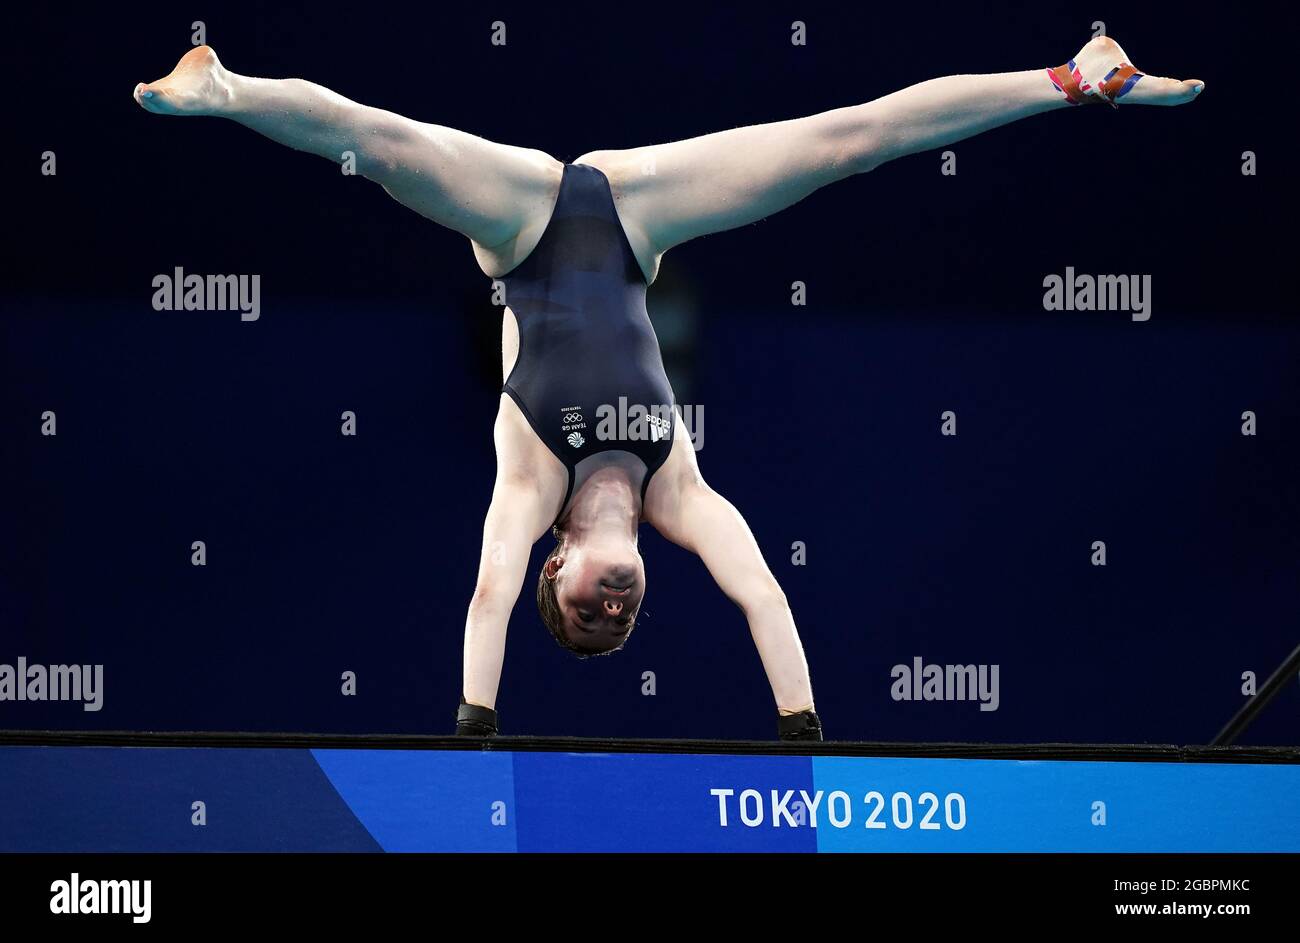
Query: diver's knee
(764, 596)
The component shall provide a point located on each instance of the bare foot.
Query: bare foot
(199, 85)
(1102, 56)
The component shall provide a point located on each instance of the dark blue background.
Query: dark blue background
(329, 554)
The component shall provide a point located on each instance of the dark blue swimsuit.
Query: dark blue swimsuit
(589, 376)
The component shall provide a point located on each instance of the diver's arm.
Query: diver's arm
(517, 517)
(682, 507)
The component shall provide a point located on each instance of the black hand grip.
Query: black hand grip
(805, 725)
(475, 721)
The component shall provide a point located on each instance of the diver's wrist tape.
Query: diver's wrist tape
(805, 725)
(473, 720)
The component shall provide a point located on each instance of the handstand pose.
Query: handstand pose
(576, 245)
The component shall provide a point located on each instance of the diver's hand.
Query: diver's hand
(472, 720)
(805, 725)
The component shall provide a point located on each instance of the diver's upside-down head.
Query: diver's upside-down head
(589, 594)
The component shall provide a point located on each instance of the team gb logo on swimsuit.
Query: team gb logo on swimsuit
(571, 422)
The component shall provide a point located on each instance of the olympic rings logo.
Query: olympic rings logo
(573, 417)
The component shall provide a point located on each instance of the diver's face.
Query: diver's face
(599, 591)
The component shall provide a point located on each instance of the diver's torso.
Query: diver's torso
(587, 373)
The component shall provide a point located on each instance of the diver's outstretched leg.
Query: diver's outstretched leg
(498, 195)
(669, 193)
